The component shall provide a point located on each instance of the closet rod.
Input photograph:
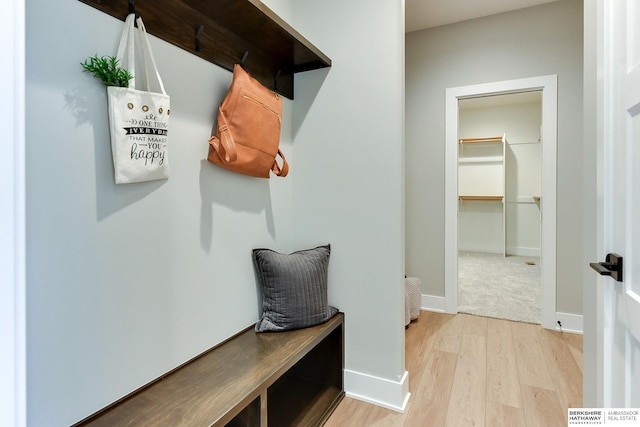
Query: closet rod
(476, 140)
(523, 142)
(480, 198)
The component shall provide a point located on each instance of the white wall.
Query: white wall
(126, 282)
(348, 188)
(531, 42)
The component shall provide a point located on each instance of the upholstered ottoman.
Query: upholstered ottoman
(413, 298)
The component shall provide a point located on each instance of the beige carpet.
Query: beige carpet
(494, 286)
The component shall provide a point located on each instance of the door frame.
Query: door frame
(13, 331)
(549, 87)
(593, 133)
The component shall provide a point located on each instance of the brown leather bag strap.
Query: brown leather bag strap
(226, 147)
(280, 170)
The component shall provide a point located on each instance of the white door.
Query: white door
(620, 195)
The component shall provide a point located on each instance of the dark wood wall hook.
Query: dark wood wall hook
(275, 80)
(199, 32)
(132, 9)
(244, 58)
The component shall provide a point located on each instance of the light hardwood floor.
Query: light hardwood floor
(474, 371)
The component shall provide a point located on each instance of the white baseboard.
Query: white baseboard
(432, 303)
(523, 251)
(389, 394)
(570, 322)
(511, 250)
(488, 249)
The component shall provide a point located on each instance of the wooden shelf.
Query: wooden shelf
(229, 29)
(481, 198)
(484, 177)
(480, 140)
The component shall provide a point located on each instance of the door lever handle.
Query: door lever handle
(612, 266)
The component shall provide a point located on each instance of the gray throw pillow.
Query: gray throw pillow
(294, 288)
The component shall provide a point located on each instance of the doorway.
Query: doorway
(547, 86)
(499, 174)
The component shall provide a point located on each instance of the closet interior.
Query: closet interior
(499, 174)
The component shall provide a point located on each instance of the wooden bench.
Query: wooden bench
(276, 379)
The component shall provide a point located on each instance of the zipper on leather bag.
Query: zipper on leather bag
(266, 107)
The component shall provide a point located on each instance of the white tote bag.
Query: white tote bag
(138, 119)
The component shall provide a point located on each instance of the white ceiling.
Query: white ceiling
(421, 14)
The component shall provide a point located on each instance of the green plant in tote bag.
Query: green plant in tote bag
(107, 70)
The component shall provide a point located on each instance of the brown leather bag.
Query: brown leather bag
(247, 138)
